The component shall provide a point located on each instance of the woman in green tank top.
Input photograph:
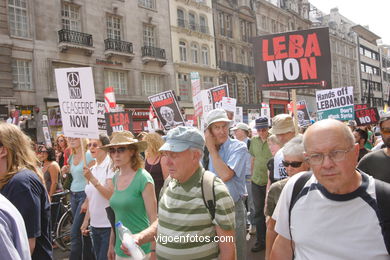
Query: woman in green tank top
(134, 200)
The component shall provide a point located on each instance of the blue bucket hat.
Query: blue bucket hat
(182, 138)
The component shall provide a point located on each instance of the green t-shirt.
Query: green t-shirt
(261, 153)
(129, 207)
(368, 144)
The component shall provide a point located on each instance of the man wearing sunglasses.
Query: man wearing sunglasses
(335, 215)
(377, 163)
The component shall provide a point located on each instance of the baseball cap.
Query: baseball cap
(261, 122)
(182, 138)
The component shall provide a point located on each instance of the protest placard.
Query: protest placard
(119, 121)
(303, 114)
(297, 59)
(212, 98)
(367, 116)
(229, 104)
(238, 115)
(100, 109)
(46, 132)
(196, 96)
(167, 109)
(265, 111)
(76, 94)
(335, 103)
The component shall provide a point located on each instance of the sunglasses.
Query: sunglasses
(117, 150)
(292, 164)
(40, 150)
(94, 145)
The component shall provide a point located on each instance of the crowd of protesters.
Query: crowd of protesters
(301, 192)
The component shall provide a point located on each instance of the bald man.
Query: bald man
(334, 216)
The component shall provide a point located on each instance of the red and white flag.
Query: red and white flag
(109, 99)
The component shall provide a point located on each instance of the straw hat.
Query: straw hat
(125, 138)
(281, 124)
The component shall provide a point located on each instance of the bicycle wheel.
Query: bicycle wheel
(62, 239)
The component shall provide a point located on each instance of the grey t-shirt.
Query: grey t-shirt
(13, 236)
(377, 165)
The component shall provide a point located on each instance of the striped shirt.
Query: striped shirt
(185, 229)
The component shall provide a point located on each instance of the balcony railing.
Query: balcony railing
(118, 45)
(75, 37)
(235, 67)
(192, 26)
(149, 51)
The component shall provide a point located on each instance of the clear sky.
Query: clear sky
(374, 13)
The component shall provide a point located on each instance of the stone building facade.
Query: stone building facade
(126, 43)
(193, 47)
(235, 25)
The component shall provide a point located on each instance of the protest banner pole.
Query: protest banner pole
(83, 142)
(295, 112)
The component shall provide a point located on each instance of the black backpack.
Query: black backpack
(382, 191)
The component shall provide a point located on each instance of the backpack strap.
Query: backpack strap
(382, 191)
(208, 192)
(298, 186)
(207, 187)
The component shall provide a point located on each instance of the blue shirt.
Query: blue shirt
(79, 182)
(235, 155)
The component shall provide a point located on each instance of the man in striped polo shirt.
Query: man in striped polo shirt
(185, 229)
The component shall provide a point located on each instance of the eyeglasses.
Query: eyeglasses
(117, 150)
(385, 131)
(40, 150)
(335, 156)
(94, 145)
(292, 164)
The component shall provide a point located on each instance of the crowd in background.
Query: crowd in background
(125, 173)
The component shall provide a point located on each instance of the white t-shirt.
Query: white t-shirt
(97, 204)
(330, 226)
(279, 170)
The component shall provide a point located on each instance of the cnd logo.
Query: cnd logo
(73, 79)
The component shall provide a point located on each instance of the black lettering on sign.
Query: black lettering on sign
(78, 121)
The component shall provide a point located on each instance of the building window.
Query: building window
(203, 24)
(18, 18)
(147, 3)
(184, 86)
(114, 27)
(233, 88)
(254, 95)
(71, 17)
(221, 23)
(180, 18)
(183, 51)
(194, 53)
(151, 84)
(192, 21)
(205, 55)
(116, 79)
(149, 38)
(245, 91)
(230, 54)
(208, 82)
(221, 52)
(22, 74)
(264, 22)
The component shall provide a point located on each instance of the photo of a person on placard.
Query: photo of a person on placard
(168, 115)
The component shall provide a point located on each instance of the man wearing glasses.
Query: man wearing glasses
(377, 163)
(334, 216)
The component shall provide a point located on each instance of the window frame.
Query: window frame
(19, 72)
(121, 84)
(18, 27)
(74, 22)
